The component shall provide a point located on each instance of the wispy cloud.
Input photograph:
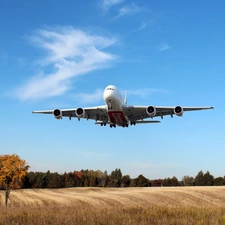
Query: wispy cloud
(142, 26)
(107, 4)
(147, 91)
(128, 10)
(164, 47)
(70, 53)
(90, 98)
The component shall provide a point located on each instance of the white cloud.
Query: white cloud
(71, 53)
(128, 10)
(164, 47)
(91, 98)
(142, 26)
(107, 4)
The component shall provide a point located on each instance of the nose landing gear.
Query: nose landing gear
(110, 105)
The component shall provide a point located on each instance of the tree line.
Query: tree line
(14, 174)
(91, 178)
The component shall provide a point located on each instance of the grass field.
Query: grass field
(175, 205)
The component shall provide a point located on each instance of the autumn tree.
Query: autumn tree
(102, 177)
(188, 181)
(12, 172)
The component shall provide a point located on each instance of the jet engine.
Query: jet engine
(178, 110)
(151, 111)
(57, 114)
(80, 113)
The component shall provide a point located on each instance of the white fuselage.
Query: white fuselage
(114, 102)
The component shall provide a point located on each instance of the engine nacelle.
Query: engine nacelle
(151, 111)
(178, 110)
(57, 114)
(80, 113)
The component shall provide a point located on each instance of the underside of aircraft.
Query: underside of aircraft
(116, 112)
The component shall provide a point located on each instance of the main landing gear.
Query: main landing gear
(132, 123)
(112, 125)
(103, 124)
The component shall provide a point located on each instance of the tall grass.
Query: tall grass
(84, 214)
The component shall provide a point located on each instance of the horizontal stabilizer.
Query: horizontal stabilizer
(148, 121)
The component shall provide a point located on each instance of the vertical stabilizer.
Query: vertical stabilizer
(126, 96)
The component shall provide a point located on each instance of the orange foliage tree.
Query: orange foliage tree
(12, 172)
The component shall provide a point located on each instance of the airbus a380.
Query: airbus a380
(116, 112)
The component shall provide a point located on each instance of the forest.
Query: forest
(91, 178)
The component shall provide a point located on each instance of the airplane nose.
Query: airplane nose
(108, 96)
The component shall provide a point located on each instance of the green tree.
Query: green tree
(69, 180)
(117, 174)
(12, 172)
(199, 179)
(133, 182)
(142, 181)
(41, 180)
(219, 181)
(29, 180)
(208, 179)
(125, 181)
(170, 182)
(54, 180)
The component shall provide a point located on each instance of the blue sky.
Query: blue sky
(62, 54)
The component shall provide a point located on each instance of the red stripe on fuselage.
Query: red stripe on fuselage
(117, 117)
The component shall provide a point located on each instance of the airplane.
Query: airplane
(116, 111)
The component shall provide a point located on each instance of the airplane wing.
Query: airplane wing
(135, 113)
(95, 113)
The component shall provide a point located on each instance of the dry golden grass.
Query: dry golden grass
(180, 205)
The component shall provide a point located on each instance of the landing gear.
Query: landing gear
(103, 124)
(110, 105)
(132, 123)
(125, 125)
(112, 125)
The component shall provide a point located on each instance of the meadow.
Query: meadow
(100, 206)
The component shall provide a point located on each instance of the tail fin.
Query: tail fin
(126, 96)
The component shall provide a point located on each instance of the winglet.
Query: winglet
(126, 96)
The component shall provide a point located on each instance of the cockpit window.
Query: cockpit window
(112, 89)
